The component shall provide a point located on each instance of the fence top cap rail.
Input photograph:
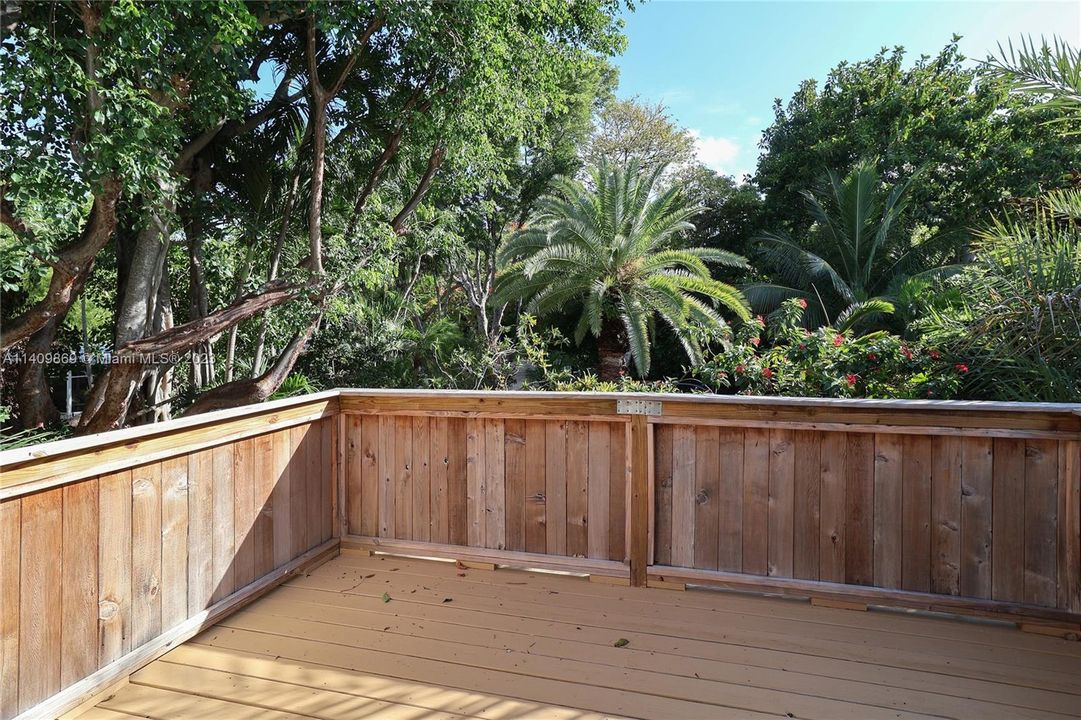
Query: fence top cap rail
(912, 405)
(10, 458)
(88, 443)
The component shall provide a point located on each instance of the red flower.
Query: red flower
(756, 341)
(803, 346)
(761, 320)
(906, 352)
(852, 378)
(935, 355)
(961, 368)
(767, 373)
(872, 356)
(837, 340)
(803, 303)
(739, 369)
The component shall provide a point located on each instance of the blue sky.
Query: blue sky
(719, 65)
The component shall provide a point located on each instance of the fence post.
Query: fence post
(640, 451)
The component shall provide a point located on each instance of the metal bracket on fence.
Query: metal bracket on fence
(638, 407)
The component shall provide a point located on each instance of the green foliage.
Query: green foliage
(634, 131)
(855, 260)
(611, 250)
(981, 145)
(548, 371)
(1014, 316)
(785, 358)
(1051, 72)
(295, 384)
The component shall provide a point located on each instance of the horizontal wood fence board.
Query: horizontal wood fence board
(24, 471)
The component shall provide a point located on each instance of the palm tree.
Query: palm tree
(862, 259)
(1051, 71)
(609, 247)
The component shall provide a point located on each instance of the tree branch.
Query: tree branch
(434, 161)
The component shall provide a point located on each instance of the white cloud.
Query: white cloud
(716, 153)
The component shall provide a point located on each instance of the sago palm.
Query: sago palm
(609, 249)
(856, 259)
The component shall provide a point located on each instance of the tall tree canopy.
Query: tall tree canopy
(229, 158)
(980, 144)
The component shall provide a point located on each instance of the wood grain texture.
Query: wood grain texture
(706, 497)
(80, 581)
(114, 566)
(1069, 526)
(243, 512)
(807, 504)
(10, 589)
(833, 504)
(730, 499)
(555, 487)
(684, 457)
(577, 488)
(1041, 520)
(457, 481)
(536, 493)
(146, 553)
(664, 437)
(619, 488)
(495, 494)
(514, 452)
(600, 494)
(222, 570)
(422, 480)
(916, 513)
(756, 453)
(976, 487)
(41, 597)
(946, 515)
(1008, 520)
(888, 503)
(402, 477)
(476, 457)
(174, 540)
(781, 503)
(859, 509)
(440, 464)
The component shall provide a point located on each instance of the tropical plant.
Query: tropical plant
(611, 247)
(785, 358)
(1051, 71)
(1016, 315)
(856, 258)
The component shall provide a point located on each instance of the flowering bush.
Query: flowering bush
(784, 358)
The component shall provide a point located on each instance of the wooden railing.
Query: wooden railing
(116, 547)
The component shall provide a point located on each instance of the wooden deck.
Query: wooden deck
(387, 637)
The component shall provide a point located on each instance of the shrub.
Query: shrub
(784, 358)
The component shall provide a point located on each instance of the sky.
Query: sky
(719, 65)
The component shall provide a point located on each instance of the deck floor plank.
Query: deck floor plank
(508, 644)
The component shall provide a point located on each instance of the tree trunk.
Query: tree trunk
(107, 406)
(33, 400)
(256, 390)
(71, 269)
(611, 349)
